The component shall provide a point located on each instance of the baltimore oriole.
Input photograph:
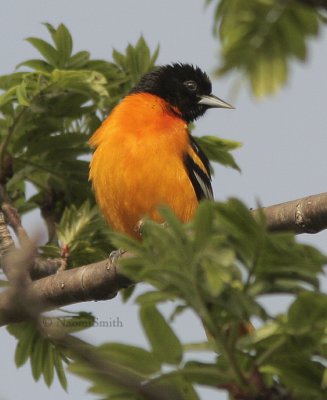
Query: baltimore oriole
(145, 155)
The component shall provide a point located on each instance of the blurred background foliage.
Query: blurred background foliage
(260, 38)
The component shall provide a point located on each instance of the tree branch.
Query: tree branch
(102, 280)
(42, 267)
(12, 216)
(98, 281)
(47, 266)
(6, 244)
(306, 215)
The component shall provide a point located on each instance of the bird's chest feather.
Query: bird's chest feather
(139, 165)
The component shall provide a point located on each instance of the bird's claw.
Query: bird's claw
(115, 255)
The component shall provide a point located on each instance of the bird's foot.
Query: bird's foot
(115, 255)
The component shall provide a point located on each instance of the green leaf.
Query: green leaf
(84, 231)
(128, 68)
(154, 297)
(165, 344)
(204, 374)
(311, 305)
(299, 374)
(43, 354)
(134, 358)
(38, 357)
(127, 293)
(8, 81)
(199, 347)
(83, 82)
(174, 386)
(79, 60)
(48, 52)
(64, 44)
(218, 150)
(48, 367)
(37, 65)
(203, 224)
(25, 345)
(291, 36)
(22, 95)
(324, 380)
(217, 276)
(51, 29)
(58, 364)
(8, 96)
(155, 55)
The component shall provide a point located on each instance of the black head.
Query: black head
(183, 86)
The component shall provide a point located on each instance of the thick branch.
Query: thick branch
(306, 215)
(102, 280)
(98, 281)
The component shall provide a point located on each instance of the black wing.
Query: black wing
(201, 180)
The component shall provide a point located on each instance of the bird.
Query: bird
(144, 155)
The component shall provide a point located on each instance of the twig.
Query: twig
(42, 266)
(6, 244)
(12, 217)
(47, 266)
(11, 131)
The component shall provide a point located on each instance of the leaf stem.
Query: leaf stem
(222, 344)
(267, 354)
(11, 131)
(229, 353)
(37, 166)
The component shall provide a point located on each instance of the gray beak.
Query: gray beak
(212, 101)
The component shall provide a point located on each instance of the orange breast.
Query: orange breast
(138, 163)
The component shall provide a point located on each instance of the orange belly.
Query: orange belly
(138, 165)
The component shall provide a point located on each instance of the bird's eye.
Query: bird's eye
(191, 85)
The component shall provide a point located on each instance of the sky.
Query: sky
(284, 137)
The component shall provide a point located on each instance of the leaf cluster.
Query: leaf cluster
(140, 364)
(222, 265)
(84, 233)
(260, 38)
(45, 355)
(47, 115)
